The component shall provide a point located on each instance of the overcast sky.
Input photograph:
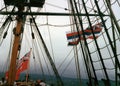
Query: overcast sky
(55, 33)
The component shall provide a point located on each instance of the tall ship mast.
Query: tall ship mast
(63, 42)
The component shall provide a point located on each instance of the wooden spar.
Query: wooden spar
(49, 14)
(16, 45)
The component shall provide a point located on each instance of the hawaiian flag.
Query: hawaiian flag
(75, 37)
(73, 42)
(22, 65)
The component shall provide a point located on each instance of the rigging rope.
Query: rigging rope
(59, 80)
(49, 33)
(36, 31)
(56, 6)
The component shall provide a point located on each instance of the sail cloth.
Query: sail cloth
(22, 65)
(74, 37)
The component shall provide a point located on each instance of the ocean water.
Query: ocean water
(84, 82)
(66, 81)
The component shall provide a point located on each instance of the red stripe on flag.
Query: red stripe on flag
(22, 65)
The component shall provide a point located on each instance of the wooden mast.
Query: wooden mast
(16, 45)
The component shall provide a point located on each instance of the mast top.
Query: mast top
(30, 3)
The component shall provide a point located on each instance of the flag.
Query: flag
(6, 75)
(96, 29)
(22, 65)
(75, 42)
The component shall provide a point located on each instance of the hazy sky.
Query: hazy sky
(55, 33)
